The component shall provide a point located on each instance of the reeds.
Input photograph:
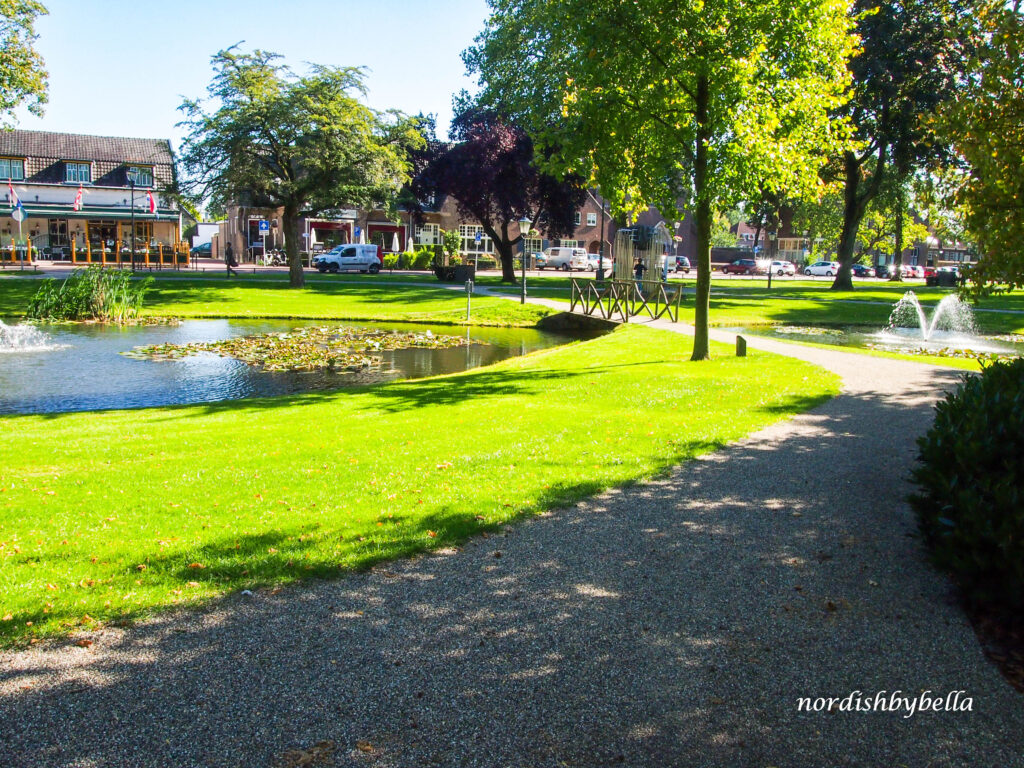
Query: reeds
(94, 293)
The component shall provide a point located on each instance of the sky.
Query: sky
(123, 68)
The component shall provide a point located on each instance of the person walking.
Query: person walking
(229, 259)
(638, 272)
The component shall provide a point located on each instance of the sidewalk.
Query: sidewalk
(676, 623)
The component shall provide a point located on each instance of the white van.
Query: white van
(349, 258)
(566, 258)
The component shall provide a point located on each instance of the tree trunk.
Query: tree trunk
(897, 257)
(290, 221)
(702, 300)
(507, 253)
(853, 214)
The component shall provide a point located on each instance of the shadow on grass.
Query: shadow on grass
(615, 623)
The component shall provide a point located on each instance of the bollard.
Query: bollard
(469, 297)
(741, 347)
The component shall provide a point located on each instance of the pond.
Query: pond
(902, 340)
(83, 368)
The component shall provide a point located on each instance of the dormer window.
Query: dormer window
(142, 174)
(77, 173)
(12, 169)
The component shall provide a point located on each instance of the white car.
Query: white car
(826, 268)
(592, 263)
(349, 258)
(565, 258)
(781, 268)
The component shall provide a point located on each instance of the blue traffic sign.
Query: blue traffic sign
(264, 225)
(479, 237)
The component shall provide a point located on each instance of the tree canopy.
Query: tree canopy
(658, 101)
(987, 128)
(22, 74)
(913, 57)
(489, 171)
(306, 144)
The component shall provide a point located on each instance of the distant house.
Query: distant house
(78, 199)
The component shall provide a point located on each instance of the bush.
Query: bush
(391, 260)
(423, 258)
(970, 506)
(94, 293)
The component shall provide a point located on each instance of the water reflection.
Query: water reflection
(84, 369)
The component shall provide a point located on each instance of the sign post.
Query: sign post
(264, 231)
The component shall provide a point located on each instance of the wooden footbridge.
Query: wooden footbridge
(620, 300)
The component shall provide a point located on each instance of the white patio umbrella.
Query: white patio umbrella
(362, 236)
(394, 243)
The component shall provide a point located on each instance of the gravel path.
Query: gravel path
(674, 623)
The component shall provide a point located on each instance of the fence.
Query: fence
(622, 299)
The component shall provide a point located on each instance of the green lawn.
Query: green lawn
(110, 515)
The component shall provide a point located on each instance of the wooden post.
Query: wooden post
(741, 347)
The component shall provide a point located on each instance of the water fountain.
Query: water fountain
(951, 327)
(22, 338)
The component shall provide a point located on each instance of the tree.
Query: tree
(305, 144)
(22, 76)
(721, 232)
(987, 129)
(913, 58)
(490, 173)
(661, 100)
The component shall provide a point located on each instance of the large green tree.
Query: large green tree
(22, 76)
(987, 126)
(914, 57)
(658, 101)
(305, 144)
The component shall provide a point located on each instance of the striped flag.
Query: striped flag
(152, 204)
(78, 199)
(15, 201)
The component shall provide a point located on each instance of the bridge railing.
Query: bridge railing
(622, 299)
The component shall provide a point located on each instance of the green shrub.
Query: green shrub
(423, 258)
(970, 505)
(94, 293)
(391, 260)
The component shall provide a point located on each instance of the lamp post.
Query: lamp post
(130, 174)
(524, 231)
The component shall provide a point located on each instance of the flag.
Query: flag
(15, 201)
(152, 204)
(78, 199)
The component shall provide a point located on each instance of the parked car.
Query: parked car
(883, 271)
(538, 260)
(826, 268)
(592, 259)
(862, 270)
(946, 277)
(781, 268)
(203, 249)
(682, 265)
(741, 267)
(565, 258)
(918, 271)
(349, 258)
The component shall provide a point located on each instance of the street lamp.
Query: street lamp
(524, 231)
(130, 174)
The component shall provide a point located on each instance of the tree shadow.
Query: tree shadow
(673, 623)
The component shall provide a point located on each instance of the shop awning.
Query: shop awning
(94, 212)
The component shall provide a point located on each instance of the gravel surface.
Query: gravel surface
(673, 623)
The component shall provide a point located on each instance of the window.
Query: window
(534, 244)
(591, 219)
(11, 169)
(78, 173)
(570, 243)
(577, 218)
(143, 175)
(468, 233)
(427, 234)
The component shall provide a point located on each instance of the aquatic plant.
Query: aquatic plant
(93, 293)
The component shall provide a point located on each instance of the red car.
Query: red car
(741, 267)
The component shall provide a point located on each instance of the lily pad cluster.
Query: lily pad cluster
(803, 330)
(340, 348)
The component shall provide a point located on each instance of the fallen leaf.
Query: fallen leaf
(196, 565)
(364, 746)
(83, 643)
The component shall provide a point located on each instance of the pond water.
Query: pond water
(903, 340)
(81, 368)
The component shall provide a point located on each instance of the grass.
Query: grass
(140, 510)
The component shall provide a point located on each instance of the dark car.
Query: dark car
(741, 267)
(682, 264)
(883, 271)
(203, 249)
(862, 270)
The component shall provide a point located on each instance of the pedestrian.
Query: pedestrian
(229, 259)
(638, 272)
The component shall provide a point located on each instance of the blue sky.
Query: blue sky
(122, 68)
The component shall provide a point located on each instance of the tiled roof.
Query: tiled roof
(71, 146)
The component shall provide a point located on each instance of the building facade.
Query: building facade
(78, 198)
